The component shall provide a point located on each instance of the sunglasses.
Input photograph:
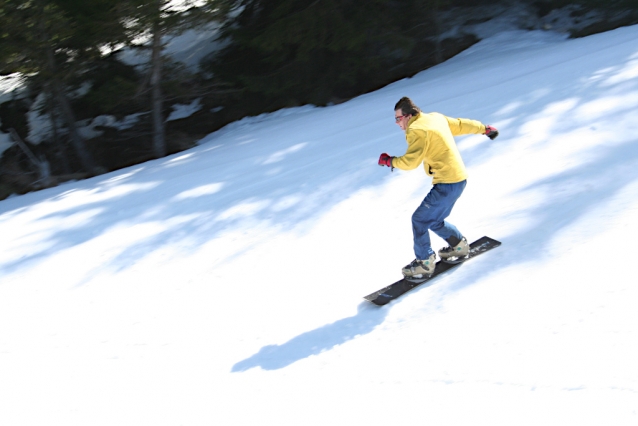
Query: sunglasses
(397, 119)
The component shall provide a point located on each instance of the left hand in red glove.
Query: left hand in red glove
(385, 160)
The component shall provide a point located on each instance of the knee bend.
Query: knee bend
(436, 226)
(420, 221)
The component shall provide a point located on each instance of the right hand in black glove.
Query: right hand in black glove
(491, 132)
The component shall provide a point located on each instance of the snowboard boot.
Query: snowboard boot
(457, 251)
(420, 268)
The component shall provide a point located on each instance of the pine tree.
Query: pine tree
(149, 23)
(50, 42)
(290, 52)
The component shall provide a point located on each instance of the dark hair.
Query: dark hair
(406, 106)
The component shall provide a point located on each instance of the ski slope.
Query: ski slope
(223, 285)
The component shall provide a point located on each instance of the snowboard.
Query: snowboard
(391, 292)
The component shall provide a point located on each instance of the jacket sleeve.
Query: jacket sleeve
(413, 157)
(465, 126)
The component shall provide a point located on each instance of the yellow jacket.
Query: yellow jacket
(430, 139)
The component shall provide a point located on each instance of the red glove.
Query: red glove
(385, 160)
(491, 132)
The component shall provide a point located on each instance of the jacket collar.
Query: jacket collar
(412, 120)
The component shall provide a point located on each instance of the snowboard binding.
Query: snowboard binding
(453, 260)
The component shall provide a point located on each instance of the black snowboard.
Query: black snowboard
(391, 292)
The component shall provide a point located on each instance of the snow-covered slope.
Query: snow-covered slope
(224, 285)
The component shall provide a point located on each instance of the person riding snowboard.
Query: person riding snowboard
(430, 139)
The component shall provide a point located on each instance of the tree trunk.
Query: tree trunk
(86, 160)
(41, 165)
(60, 151)
(438, 49)
(159, 143)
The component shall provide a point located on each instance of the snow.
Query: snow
(9, 83)
(224, 284)
(183, 111)
(485, 22)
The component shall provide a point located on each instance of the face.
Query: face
(402, 120)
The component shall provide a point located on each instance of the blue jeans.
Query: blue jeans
(431, 214)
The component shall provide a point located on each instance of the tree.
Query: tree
(155, 20)
(290, 52)
(50, 42)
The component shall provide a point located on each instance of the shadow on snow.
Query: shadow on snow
(274, 357)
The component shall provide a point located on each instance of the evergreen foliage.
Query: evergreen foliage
(290, 52)
(157, 19)
(278, 53)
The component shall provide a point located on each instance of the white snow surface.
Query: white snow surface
(224, 285)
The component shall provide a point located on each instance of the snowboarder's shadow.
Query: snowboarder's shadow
(274, 357)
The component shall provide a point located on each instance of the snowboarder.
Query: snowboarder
(430, 139)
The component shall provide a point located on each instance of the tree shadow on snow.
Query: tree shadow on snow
(585, 191)
(291, 185)
(579, 191)
(189, 200)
